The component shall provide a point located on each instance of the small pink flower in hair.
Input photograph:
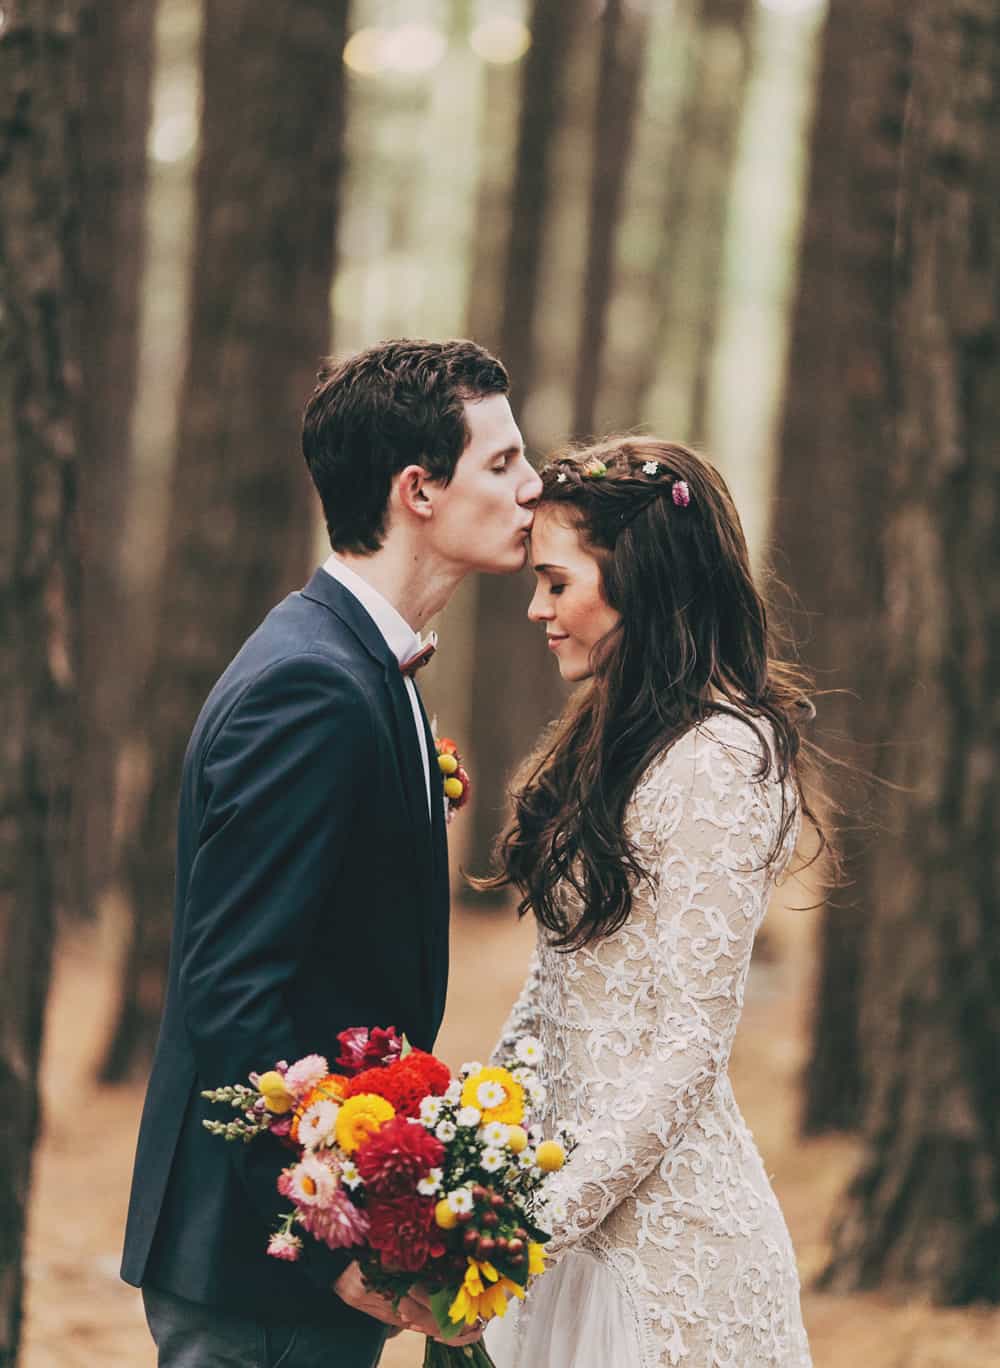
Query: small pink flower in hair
(680, 493)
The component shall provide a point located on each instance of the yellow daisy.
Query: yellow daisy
(497, 1094)
(483, 1293)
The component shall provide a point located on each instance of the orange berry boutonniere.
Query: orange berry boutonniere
(454, 775)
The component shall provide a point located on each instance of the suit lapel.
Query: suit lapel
(408, 751)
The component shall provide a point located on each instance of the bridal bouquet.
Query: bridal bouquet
(430, 1179)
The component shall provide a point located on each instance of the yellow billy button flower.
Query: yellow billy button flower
(277, 1098)
(550, 1156)
(517, 1140)
(444, 1216)
(359, 1117)
(453, 788)
(495, 1093)
(447, 764)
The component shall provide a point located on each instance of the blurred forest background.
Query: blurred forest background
(767, 227)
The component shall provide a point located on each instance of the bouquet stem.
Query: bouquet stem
(439, 1355)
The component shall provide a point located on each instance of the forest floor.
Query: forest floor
(79, 1315)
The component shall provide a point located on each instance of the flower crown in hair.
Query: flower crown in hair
(679, 491)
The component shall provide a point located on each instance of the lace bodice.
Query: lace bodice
(666, 1186)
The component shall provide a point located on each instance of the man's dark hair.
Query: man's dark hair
(396, 404)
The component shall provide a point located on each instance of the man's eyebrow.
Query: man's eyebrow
(545, 567)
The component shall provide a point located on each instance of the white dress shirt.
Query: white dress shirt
(399, 636)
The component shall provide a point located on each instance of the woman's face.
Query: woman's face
(568, 599)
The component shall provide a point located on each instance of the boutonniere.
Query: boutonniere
(454, 775)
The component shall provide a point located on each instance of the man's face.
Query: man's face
(483, 517)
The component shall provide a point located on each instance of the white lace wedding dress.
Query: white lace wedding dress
(672, 1248)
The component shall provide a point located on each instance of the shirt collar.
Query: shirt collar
(399, 636)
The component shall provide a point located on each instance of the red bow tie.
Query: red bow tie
(420, 658)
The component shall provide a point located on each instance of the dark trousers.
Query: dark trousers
(188, 1335)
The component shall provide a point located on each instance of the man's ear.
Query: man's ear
(411, 490)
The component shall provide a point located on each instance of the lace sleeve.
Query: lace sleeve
(522, 1019)
(658, 1003)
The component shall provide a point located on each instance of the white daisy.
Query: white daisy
(529, 1050)
(492, 1160)
(349, 1175)
(491, 1094)
(471, 1067)
(318, 1123)
(526, 1159)
(445, 1131)
(453, 1093)
(523, 1076)
(431, 1185)
(460, 1201)
(468, 1116)
(495, 1134)
(430, 1111)
(538, 1093)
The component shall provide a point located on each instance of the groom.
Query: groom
(312, 890)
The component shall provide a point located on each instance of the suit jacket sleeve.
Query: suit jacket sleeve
(279, 784)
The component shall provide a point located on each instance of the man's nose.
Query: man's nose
(530, 490)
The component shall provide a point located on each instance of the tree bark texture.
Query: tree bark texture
(39, 178)
(240, 528)
(687, 280)
(623, 38)
(501, 733)
(117, 60)
(923, 1213)
(830, 500)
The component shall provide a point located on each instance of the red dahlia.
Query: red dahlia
(404, 1232)
(394, 1158)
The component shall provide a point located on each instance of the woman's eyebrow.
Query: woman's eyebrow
(544, 568)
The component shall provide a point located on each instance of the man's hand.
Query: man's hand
(351, 1288)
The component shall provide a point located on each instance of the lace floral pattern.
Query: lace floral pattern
(667, 1188)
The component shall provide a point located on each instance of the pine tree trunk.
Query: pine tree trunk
(502, 733)
(830, 496)
(39, 361)
(622, 46)
(115, 122)
(671, 381)
(240, 526)
(923, 1213)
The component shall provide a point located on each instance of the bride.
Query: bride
(647, 833)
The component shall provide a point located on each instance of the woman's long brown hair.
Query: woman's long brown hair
(692, 640)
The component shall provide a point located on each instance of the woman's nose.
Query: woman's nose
(538, 609)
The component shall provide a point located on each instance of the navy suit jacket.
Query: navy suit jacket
(312, 895)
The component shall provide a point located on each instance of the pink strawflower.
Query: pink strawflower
(313, 1182)
(338, 1224)
(305, 1073)
(680, 493)
(281, 1125)
(284, 1245)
